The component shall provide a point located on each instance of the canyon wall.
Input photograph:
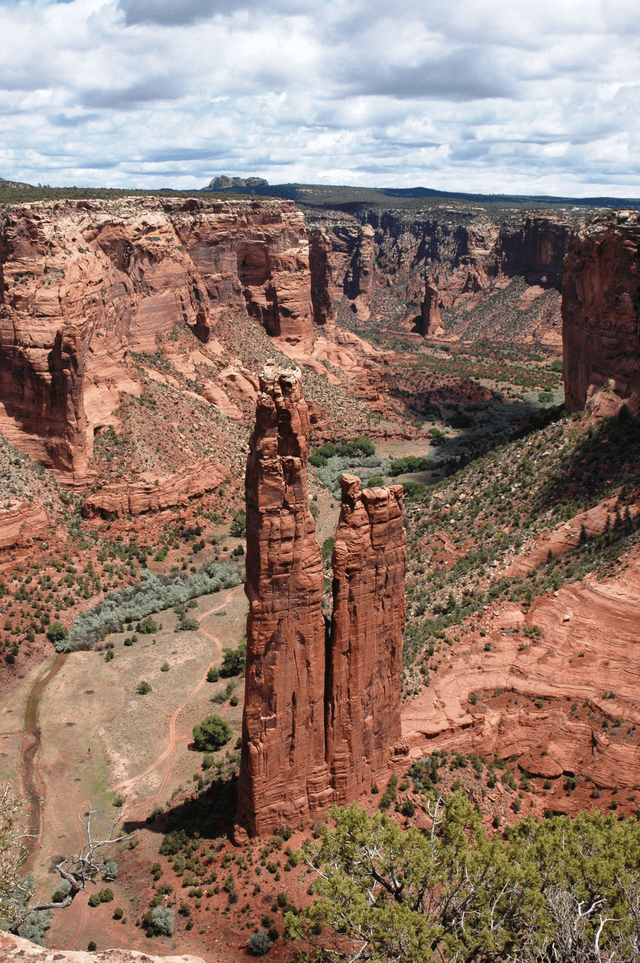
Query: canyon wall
(601, 316)
(84, 285)
(380, 258)
(322, 709)
(369, 609)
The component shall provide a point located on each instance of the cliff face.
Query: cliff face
(467, 251)
(322, 713)
(82, 285)
(369, 609)
(283, 775)
(601, 316)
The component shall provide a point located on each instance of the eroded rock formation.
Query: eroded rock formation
(283, 774)
(14, 948)
(146, 495)
(381, 257)
(431, 319)
(84, 284)
(322, 711)
(365, 661)
(601, 316)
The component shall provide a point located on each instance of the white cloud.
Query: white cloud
(472, 95)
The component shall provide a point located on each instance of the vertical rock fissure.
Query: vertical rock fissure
(322, 699)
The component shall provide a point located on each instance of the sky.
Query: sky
(495, 96)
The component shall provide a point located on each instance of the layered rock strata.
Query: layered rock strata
(322, 710)
(380, 258)
(601, 316)
(155, 494)
(365, 662)
(84, 284)
(14, 948)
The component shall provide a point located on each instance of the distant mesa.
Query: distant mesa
(224, 183)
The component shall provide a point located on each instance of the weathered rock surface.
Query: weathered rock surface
(21, 523)
(468, 251)
(15, 948)
(283, 774)
(431, 318)
(146, 495)
(585, 652)
(320, 251)
(365, 661)
(321, 713)
(84, 285)
(601, 316)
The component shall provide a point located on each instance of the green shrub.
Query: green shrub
(211, 734)
(143, 688)
(233, 661)
(147, 626)
(164, 667)
(239, 524)
(57, 633)
(259, 943)
(213, 675)
(159, 921)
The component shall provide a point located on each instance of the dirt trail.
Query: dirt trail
(168, 754)
(33, 784)
(170, 751)
(166, 759)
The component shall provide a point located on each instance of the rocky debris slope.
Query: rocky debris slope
(86, 285)
(380, 258)
(601, 316)
(14, 948)
(369, 609)
(296, 761)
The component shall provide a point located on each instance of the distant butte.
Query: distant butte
(322, 708)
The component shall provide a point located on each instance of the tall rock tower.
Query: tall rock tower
(283, 774)
(322, 708)
(365, 660)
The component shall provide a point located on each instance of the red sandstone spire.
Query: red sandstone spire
(283, 774)
(365, 661)
(320, 721)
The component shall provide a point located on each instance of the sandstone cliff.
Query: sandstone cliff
(380, 258)
(84, 285)
(283, 775)
(365, 661)
(322, 712)
(601, 316)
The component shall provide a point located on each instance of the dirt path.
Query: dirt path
(33, 784)
(168, 755)
(170, 751)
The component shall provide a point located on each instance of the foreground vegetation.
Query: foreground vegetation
(563, 889)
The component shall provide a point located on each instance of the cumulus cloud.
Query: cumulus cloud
(490, 95)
